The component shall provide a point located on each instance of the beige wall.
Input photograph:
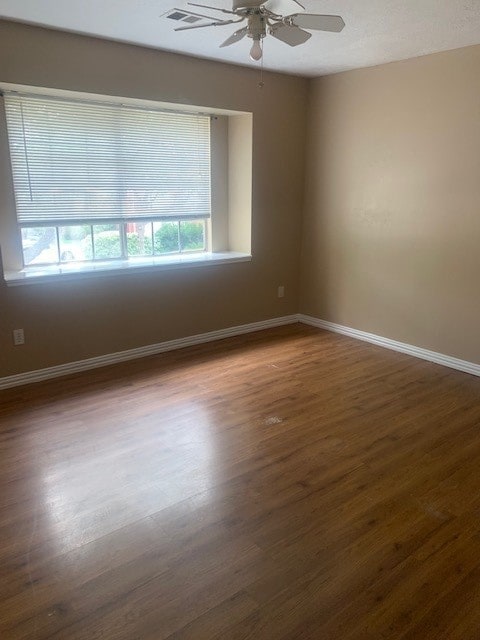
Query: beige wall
(72, 321)
(391, 225)
(391, 241)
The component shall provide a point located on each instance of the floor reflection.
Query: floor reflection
(105, 482)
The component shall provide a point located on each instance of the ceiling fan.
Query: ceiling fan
(278, 18)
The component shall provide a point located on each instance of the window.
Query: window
(92, 184)
(103, 181)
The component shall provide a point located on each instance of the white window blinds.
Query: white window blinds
(81, 161)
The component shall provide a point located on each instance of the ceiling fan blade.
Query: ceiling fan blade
(209, 24)
(282, 7)
(317, 21)
(206, 6)
(198, 15)
(235, 37)
(290, 34)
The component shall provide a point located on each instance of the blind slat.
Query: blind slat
(74, 160)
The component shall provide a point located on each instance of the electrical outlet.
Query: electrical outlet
(18, 337)
(281, 291)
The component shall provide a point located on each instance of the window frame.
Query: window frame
(231, 163)
(122, 224)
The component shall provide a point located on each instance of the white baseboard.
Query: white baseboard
(161, 347)
(132, 354)
(418, 352)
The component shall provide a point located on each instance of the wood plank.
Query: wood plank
(288, 484)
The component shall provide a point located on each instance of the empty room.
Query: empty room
(239, 320)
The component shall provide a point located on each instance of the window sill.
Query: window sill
(78, 271)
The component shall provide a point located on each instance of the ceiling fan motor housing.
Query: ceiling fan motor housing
(245, 4)
(256, 26)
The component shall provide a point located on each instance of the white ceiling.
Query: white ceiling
(376, 31)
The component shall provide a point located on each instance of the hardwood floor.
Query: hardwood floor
(286, 485)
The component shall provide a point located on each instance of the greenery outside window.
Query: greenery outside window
(86, 243)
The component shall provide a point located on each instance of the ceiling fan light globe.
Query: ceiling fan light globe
(256, 51)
